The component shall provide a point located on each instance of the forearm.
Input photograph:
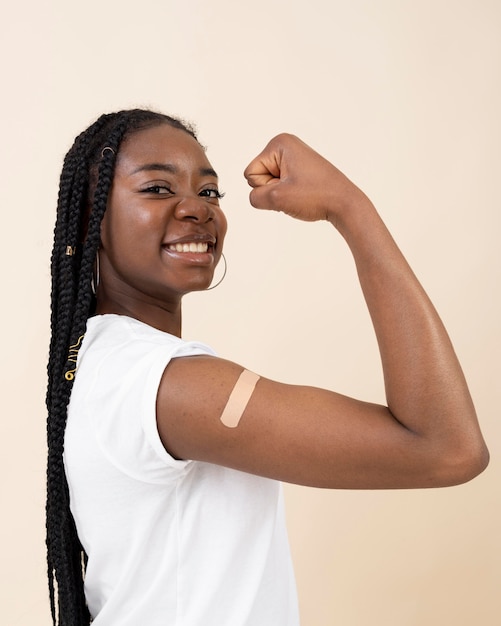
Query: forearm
(425, 387)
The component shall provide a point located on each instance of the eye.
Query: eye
(157, 190)
(211, 193)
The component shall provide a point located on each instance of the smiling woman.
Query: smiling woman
(164, 502)
(163, 231)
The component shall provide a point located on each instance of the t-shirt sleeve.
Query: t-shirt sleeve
(122, 406)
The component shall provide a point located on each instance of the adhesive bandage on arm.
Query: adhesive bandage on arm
(239, 398)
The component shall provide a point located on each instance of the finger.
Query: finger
(266, 196)
(259, 180)
(264, 168)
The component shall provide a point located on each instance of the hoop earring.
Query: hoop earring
(94, 281)
(222, 277)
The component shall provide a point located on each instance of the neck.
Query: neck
(165, 317)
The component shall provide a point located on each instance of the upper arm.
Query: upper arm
(296, 434)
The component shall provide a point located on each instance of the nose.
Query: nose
(194, 208)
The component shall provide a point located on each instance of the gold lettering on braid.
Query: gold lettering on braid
(72, 357)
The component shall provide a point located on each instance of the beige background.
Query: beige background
(404, 96)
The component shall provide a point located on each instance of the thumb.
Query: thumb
(265, 196)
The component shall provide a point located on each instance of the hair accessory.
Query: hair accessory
(222, 277)
(72, 357)
(70, 250)
(107, 148)
(94, 281)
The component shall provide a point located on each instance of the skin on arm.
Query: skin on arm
(428, 435)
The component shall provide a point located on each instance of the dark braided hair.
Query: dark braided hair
(83, 194)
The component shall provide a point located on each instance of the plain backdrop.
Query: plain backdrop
(405, 98)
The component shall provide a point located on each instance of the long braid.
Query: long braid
(85, 184)
(64, 552)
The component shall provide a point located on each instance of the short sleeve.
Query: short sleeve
(121, 407)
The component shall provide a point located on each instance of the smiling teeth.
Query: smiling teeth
(189, 247)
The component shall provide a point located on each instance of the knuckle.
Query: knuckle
(285, 139)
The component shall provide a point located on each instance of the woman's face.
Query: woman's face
(163, 230)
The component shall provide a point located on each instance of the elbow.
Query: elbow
(462, 464)
(477, 462)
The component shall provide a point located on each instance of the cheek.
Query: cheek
(128, 229)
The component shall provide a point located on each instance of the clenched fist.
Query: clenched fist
(291, 177)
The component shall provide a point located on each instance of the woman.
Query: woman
(168, 451)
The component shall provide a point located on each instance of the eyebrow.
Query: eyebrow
(172, 169)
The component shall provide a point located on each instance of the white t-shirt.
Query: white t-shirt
(171, 543)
